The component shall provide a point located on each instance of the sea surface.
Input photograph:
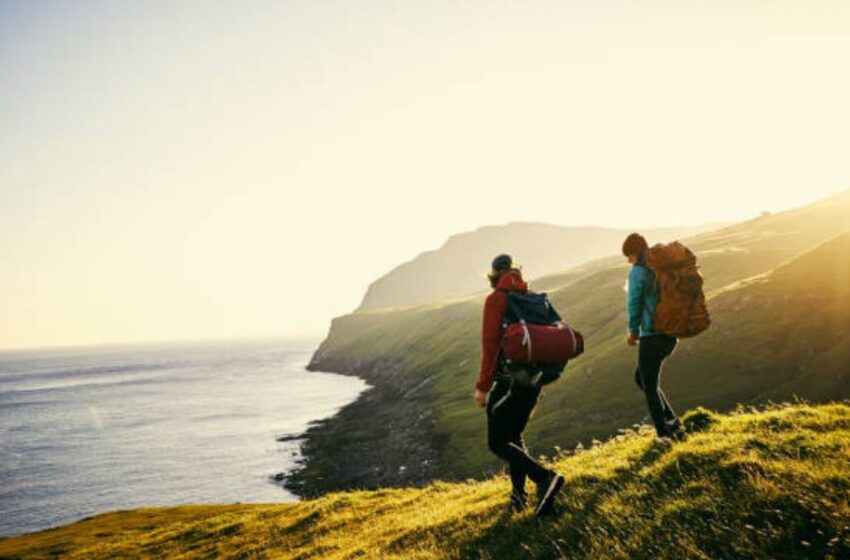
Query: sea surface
(89, 430)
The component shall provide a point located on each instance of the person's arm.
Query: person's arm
(491, 339)
(634, 302)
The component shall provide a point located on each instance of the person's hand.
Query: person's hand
(480, 398)
(631, 339)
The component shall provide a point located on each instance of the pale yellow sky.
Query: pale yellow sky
(190, 169)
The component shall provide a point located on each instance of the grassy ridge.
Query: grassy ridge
(767, 484)
(455, 269)
(761, 346)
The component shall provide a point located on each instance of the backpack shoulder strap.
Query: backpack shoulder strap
(514, 308)
(553, 313)
(526, 340)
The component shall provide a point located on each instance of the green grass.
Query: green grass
(779, 290)
(772, 483)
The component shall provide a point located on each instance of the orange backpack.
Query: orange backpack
(681, 310)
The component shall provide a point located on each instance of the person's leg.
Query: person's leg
(499, 434)
(496, 425)
(666, 347)
(548, 482)
(526, 400)
(669, 414)
(518, 472)
(507, 413)
(650, 356)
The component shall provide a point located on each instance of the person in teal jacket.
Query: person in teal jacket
(653, 347)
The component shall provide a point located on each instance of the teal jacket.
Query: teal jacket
(642, 301)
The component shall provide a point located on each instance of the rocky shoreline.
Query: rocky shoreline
(384, 438)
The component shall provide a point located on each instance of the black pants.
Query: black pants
(652, 352)
(508, 410)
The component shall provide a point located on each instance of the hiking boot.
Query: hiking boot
(518, 503)
(547, 489)
(664, 442)
(678, 432)
(675, 430)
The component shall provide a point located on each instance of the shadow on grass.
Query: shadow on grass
(561, 534)
(710, 504)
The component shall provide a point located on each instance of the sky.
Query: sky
(181, 170)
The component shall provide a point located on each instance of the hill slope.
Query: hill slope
(458, 267)
(423, 361)
(772, 484)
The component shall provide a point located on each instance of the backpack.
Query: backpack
(681, 311)
(536, 343)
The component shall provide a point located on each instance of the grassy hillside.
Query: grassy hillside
(458, 267)
(771, 484)
(761, 346)
(772, 338)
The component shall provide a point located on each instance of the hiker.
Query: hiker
(510, 404)
(653, 347)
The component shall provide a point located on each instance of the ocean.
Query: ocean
(89, 430)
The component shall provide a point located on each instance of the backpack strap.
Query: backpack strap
(526, 339)
(501, 357)
(513, 307)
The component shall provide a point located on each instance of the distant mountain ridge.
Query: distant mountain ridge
(458, 267)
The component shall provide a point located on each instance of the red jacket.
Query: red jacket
(491, 327)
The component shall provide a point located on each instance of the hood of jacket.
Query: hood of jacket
(512, 281)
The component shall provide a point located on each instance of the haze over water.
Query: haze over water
(89, 430)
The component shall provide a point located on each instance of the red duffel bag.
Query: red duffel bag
(526, 343)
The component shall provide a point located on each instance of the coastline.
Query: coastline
(155, 426)
(384, 438)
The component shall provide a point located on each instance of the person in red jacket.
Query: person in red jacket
(510, 404)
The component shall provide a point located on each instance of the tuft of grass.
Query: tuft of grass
(699, 419)
(771, 483)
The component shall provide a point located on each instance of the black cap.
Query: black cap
(502, 262)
